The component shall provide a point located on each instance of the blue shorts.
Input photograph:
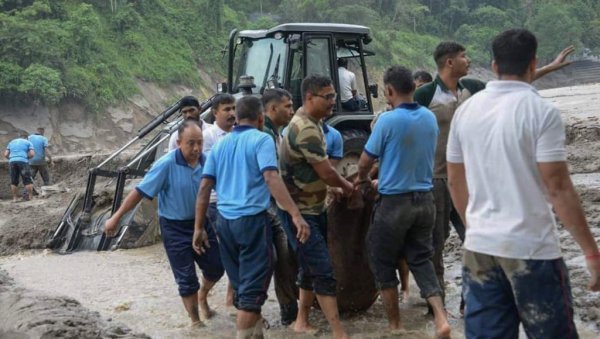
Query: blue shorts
(177, 239)
(500, 293)
(315, 271)
(246, 245)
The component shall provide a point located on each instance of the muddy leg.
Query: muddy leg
(390, 303)
(205, 311)
(442, 328)
(190, 302)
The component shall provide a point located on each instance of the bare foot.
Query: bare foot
(197, 324)
(205, 311)
(442, 330)
(306, 329)
(398, 331)
(405, 296)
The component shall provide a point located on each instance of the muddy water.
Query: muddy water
(136, 287)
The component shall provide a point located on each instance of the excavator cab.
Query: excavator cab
(281, 57)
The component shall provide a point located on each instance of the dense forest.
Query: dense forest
(92, 51)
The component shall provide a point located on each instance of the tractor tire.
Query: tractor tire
(347, 230)
(354, 143)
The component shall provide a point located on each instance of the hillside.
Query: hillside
(84, 68)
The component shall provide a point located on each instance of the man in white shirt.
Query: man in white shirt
(190, 109)
(348, 94)
(507, 168)
(223, 110)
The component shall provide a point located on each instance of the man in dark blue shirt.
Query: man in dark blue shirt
(175, 179)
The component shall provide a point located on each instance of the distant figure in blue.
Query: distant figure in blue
(38, 162)
(18, 152)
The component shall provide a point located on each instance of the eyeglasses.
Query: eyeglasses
(328, 97)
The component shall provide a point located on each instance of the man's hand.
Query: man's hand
(593, 265)
(375, 184)
(200, 241)
(302, 228)
(348, 188)
(110, 226)
(333, 194)
(561, 59)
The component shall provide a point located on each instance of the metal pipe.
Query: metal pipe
(146, 129)
(118, 152)
(149, 149)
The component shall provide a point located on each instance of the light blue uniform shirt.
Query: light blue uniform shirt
(237, 163)
(334, 142)
(404, 140)
(18, 149)
(39, 143)
(175, 183)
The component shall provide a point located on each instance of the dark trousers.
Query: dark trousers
(20, 169)
(315, 270)
(402, 226)
(443, 205)
(285, 270)
(43, 169)
(177, 240)
(500, 293)
(246, 246)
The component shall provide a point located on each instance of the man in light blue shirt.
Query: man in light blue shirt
(404, 141)
(335, 144)
(18, 152)
(243, 169)
(38, 162)
(175, 179)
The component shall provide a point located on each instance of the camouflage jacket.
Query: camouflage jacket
(303, 145)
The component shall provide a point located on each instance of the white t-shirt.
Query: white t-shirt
(175, 135)
(500, 135)
(347, 83)
(211, 136)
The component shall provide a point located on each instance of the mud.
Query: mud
(136, 287)
(28, 314)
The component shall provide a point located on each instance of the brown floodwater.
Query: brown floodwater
(136, 287)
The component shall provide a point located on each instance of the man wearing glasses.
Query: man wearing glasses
(306, 171)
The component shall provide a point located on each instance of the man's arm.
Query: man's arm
(30, 154)
(365, 163)
(565, 201)
(6, 153)
(331, 177)
(459, 191)
(558, 63)
(202, 201)
(132, 199)
(47, 154)
(282, 196)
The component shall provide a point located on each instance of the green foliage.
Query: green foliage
(94, 51)
(43, 82)
(555, 28)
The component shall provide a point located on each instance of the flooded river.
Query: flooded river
(136, 287)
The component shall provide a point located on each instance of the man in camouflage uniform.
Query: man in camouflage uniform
(306, 171)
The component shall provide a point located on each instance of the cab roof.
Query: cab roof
(307, 27)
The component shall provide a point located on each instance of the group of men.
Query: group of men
(257, 192)
(27, 156)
